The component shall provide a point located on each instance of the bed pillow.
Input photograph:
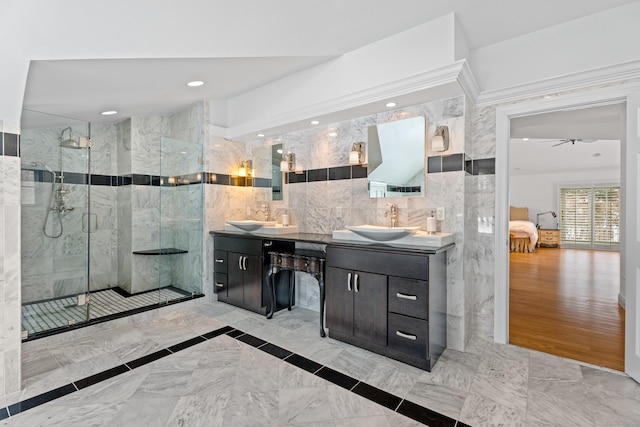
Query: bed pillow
(518, 214)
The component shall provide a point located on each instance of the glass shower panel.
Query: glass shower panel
(181, 219)
(55, 161)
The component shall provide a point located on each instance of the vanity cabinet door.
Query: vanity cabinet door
(235, 278)
(253, 282)
(339, 300)
(370, 307)
(357, 304)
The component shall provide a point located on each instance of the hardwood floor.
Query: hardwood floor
(565, 302)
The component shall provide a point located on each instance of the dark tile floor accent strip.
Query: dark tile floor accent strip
(251, 340)
(304, 363)
(186, 344)
(40, 399)
(276, 351)
(378, 396)
(338, 378)
(148, 358)
(381, 397)
(235, 333)
(101, 376)
(217, 332)
(424, 415)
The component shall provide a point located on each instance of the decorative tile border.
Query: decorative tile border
(390, 401)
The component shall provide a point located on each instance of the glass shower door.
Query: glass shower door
(181, 219)
(55, 161)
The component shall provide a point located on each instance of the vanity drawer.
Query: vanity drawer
(371, 261)
(220, 261)
(407, 335)
(240, 244)
(220, 283)
(409, 297)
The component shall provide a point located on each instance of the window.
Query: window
(590, 216)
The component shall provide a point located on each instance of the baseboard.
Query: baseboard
(621, 300)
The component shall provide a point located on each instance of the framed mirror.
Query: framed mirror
(396, 158)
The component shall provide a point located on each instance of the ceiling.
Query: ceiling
(252, 43)
(601, 128)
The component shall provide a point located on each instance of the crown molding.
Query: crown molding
(451, 80)
(575, 81)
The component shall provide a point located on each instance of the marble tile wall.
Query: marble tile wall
(10, 274)
(313, 205)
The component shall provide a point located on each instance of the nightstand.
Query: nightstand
(549, 238)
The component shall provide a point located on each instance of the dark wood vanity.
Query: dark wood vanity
(388, 299)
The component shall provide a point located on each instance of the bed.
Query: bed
(523, 234)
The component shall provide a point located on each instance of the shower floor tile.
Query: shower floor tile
(59, 313)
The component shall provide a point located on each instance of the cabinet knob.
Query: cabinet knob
(267, 244)
(220, 285)
(220, 260)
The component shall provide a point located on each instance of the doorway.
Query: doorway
(597, 97)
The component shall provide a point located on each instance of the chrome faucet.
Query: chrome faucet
(265, 211)
(392, 213)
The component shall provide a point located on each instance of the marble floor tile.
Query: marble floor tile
(224, 381)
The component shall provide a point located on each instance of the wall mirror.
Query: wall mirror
(276, 174)
(396, 158)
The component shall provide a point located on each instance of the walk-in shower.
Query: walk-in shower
(99, 209)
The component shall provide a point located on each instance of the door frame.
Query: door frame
(504, 114)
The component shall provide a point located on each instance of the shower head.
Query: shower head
(69, 142)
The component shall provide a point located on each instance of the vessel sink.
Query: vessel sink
(381, 234)
(250, 224)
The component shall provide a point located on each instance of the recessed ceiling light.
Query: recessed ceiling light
(260, 135)
(109, 112)
(195, 83)
(332, 134)
(525, 139)
(548, 96)
(315, 122)
(391, 104)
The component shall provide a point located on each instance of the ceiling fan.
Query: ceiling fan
(572, 141)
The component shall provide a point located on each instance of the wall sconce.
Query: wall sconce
(288, 163)
(356, 155)
(440, 140)
(246, 169)
(553, 214)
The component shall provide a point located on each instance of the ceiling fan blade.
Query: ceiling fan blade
(560, 143)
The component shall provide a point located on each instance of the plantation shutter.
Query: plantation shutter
(606, 216)
(590, 216)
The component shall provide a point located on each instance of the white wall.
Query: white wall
(539, 193)
(595, 41)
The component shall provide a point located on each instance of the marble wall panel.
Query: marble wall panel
(146, 133)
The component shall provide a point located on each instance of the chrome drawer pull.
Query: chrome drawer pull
(220, 285)
(355, 283)
(349, 282)
(405, 296)
(220, 260)
(407, 336)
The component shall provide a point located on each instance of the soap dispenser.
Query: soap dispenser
(432, 225)
(285, 218)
